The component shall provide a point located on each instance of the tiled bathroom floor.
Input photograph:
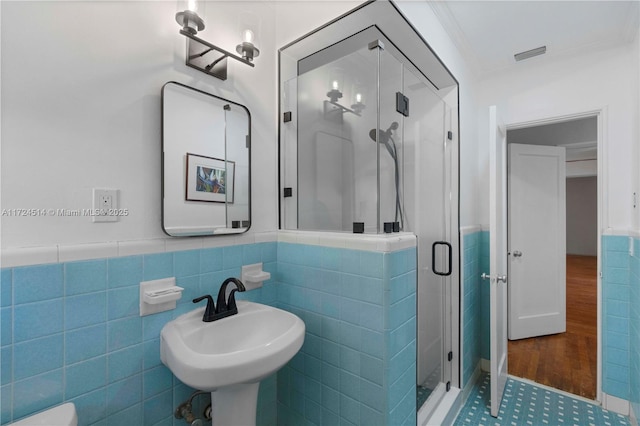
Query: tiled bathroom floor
(525, 404)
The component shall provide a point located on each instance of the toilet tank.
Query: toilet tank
(62, 415)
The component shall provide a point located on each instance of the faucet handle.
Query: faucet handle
(210, 309)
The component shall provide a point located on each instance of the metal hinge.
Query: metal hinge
(402, 104)
(450, 356)
(448, 386)
(376, 44)
(288, 192)
(450, 135)
(286, 117)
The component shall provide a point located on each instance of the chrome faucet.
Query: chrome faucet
(225, 307)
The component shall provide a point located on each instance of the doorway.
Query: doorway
(565, 360)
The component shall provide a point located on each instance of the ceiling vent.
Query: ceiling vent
(530, 53)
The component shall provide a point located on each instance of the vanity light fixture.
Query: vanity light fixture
(246, 48)
(207, 57)
(189, 19)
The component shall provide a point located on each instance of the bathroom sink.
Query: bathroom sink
(243, 348)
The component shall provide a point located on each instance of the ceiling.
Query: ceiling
(489, 33)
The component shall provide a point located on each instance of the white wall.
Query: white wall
(473, 156)
(81, 109)
(608, 80)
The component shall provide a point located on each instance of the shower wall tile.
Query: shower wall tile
(73, 332)
(357, 365)
(472, 307)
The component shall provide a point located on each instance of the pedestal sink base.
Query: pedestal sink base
(235, 405)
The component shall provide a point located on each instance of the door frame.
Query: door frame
(602, 181)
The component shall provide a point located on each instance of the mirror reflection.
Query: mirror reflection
(205, 163)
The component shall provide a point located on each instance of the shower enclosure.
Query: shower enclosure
(368, 144)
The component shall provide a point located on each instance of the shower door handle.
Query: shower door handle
(433, 258)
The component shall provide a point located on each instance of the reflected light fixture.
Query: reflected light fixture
(359, 106)
(334, 109)
(334, 94)
(207, 57)
(246, 48)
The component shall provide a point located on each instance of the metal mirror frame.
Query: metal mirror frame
(228, 231)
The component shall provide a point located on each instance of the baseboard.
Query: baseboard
(615, 404)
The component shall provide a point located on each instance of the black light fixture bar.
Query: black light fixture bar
(197, 48)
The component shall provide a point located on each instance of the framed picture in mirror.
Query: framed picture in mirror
(209, 179)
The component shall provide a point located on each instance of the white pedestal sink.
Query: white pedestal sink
(230, 356)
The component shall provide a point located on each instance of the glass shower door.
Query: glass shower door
(428, 155)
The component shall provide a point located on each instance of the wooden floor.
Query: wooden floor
(565, 361)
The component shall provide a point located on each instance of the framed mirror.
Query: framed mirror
(206, 159)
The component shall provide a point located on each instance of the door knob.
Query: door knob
(517, 253)
(499, 278)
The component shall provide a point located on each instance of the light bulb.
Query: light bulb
(358, 97)
(335, 85)
(192, 5)
(247, 36)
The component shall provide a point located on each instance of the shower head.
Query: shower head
(385, 135)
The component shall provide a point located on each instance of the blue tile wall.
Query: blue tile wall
(634, 332)
(72, 331)
(472, 302)
(621, 316)
(358, 362)
(485, 349)
(357, 366)
(616, 316)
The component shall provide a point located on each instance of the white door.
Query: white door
(498, 257)
(537, 241)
